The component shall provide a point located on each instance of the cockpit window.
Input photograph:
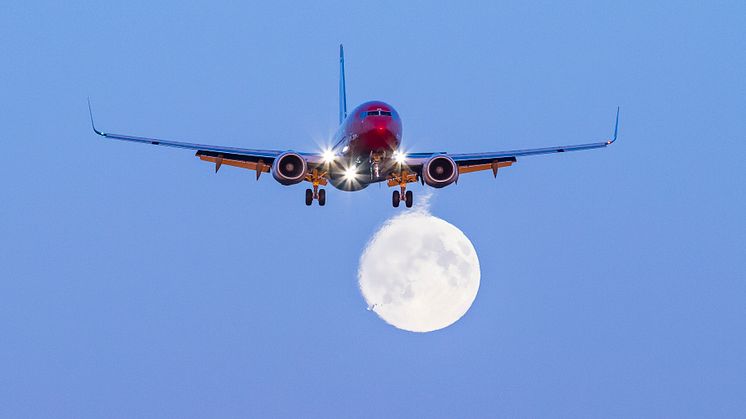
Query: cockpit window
(377, 112)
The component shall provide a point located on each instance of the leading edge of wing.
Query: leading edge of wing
(184, 145)
(528, 151)
(465, 157)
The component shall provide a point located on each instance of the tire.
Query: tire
(309, 197)
(395, 199)
(409, 199)
(322, 197)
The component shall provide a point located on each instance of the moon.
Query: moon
(419, 272)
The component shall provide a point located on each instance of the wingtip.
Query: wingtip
(93, 125)
(616, 128)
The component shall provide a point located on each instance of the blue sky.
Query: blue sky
(134, 282)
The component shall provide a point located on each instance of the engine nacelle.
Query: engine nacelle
(440, 171)
(289, 168)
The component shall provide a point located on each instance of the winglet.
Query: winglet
(90, 112)
(616, 127)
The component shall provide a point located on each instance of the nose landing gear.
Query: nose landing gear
(375, 165)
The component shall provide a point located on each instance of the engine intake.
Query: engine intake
(440, 171)
(289, 168)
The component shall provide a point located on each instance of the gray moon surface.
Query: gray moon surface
(419, 272)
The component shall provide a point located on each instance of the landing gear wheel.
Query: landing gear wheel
(395, 199)
(322, 197)
(309, 197)
(408, 199)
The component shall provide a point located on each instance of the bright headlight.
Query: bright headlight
(400, 157)
(328, 156)
(351, 173)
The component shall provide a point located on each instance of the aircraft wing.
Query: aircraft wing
(253, 159)
(472, 162)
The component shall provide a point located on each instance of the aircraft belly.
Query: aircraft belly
(343, 184)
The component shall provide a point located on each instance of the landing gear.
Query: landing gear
(401, 179)
(318, 194)
(316, 178)
(405, 196)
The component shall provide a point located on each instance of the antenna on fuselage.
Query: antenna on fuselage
(342, 90)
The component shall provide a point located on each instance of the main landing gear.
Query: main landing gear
(404, 195)
(401, 179)
(316, 178)
(316, 193)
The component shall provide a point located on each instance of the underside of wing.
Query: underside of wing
(473, 162)
(253, 159)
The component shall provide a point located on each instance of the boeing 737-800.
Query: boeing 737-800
(366, 150)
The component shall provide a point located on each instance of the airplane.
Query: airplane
(367, 150)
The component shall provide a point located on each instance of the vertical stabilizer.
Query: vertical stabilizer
(342, 90)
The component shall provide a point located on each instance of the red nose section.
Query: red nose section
(377, 123)
(379, 135)
(374, 127)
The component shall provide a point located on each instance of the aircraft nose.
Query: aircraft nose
(380, 124)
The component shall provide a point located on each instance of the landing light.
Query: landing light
(351, 173)
(328, 156)
(400, 157)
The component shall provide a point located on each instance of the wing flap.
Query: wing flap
(244, 162)
(494, 166)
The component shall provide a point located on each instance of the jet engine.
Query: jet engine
(440, 171)
(289, 168)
